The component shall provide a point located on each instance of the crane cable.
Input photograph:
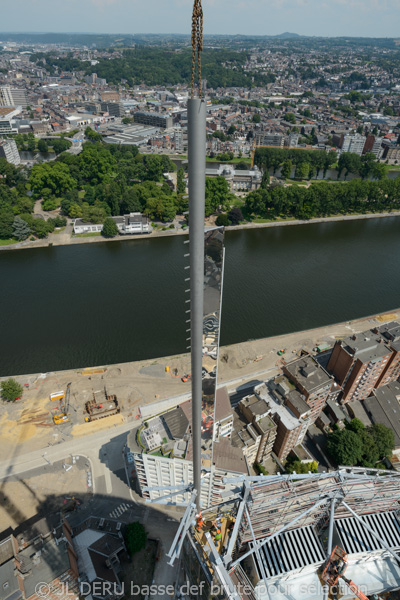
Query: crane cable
(197, 43)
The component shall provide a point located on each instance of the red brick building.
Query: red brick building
(358, 364)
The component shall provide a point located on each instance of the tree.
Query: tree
(256, 118)
(42, 146)
(217, 194)
(231, 130)
(383, 437)
(110, 228)
(40, 228)
(222, 220)
(180, 181)
(20, 229)
(345, 447)
(290, 118)
(6, 224)
(11, 390)
(235, 215)
(302, 170)
(55, 176)
(286, 169)
(299, 467)
(135, 537)
(60, 145)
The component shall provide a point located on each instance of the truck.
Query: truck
(322, 347)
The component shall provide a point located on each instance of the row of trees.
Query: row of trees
(273, 158)
(360, 445)
(309, 163)
(324, 199)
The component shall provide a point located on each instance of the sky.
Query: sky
(358, 18)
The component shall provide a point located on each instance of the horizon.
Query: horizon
(174, 33)
(311, 18)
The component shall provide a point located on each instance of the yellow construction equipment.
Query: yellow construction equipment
(57, 396)
(63, 416)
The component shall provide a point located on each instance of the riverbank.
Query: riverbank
(27, 424)
(65, 238)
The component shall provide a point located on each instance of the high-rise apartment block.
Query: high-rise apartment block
(311, 379)
(360, 362)
(9, 151)
(255, 429)
(12, 96)
(290, 427)
(354, 143)
(391, 335)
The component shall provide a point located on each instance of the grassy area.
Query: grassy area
(59, 230)
(296, 182)
(7, 242)
(229, 162)
(88, 234)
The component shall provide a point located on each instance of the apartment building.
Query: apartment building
(358, 363)
(223, 417)
(114, 109)
(8, 123)
(391, 335)
(155, 119)
(354, 143)
(311, 379)
(9, 151)
(12, 96)
(290, 430)
(255, 429)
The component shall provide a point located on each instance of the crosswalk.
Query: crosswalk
(117, 512)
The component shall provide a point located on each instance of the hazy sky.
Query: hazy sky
(370, 18)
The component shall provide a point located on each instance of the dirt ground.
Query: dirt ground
(139, 570)
(50, 489)
(28, 424)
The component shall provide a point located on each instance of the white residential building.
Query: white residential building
(9, 151)
(127, 225)
(12, 96)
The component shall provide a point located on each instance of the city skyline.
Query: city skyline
(353, 18)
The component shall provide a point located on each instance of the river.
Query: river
(74, 306)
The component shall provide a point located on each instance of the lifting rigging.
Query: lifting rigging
(197, 43)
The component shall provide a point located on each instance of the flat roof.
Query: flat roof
(366, 346)
(308, 372)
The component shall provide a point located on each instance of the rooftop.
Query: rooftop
(384, 407)
(366, 346)
(308, 373)
(229, 458)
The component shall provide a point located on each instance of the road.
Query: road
(112, 498)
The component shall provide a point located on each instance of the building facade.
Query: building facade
(155, 119)
(9, 151)
(12, 96)
(312, 381)
(358, 364)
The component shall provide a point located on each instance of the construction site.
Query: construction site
(296, 537)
